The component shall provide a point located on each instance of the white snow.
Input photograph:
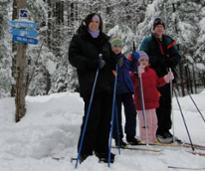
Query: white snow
(187, 32)
(51, 129)
(202, 24)
(126, 34)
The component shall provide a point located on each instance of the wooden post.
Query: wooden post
(20, 73)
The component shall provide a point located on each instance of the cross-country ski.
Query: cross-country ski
(185, 168)
(138, 148)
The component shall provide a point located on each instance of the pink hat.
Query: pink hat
(143, 55)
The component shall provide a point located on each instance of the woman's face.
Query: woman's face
(94, 24)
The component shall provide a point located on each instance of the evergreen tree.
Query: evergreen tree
(49, 70)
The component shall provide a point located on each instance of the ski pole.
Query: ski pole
(112, 116)
(116, 119)
(142, 97)
(197, 107)
(189, 136)
(87, 117)
(172, 113)
(143, 105)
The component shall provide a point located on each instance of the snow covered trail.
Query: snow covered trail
(51, 129)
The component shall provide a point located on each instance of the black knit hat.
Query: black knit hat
(158, 21)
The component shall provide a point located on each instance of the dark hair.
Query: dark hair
(88, 19)
(158, 21)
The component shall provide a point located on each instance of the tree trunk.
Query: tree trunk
(181, 75)
(194, 78)
(20, 73)
(14, 48)
(49, 31)
(203, 78)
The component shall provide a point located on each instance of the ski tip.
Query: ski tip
(184, 168)
(73, 159)
(58, 158)
(199, 153)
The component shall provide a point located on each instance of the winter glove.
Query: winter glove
(135, 55)
(120, 61)
(141, 69)
(169, 77)
(134, 60)
(101, 62)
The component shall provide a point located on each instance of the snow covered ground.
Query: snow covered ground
(51, 129)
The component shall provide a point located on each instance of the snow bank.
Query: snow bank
(51, 129)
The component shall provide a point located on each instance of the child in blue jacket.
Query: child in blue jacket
(124, 94)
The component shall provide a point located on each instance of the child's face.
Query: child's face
(144, 62)
(116, 49)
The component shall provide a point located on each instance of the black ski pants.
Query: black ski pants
(130, 117)
(98, 127)
(164, 110)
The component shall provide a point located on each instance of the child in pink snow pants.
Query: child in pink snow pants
(150, 83)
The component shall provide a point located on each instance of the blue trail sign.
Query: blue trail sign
(25, 40)
(25, 33)
(23, 24)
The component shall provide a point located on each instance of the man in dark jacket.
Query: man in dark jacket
(90, 50)
(163, 55)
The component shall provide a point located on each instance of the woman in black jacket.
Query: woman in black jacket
(90, 50)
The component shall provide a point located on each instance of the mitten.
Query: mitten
(135, 55)
(141, 69)
(101, 61)
(120, 61)
(169, 77)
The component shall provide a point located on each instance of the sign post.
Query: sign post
(21, 74)
(24, 32)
